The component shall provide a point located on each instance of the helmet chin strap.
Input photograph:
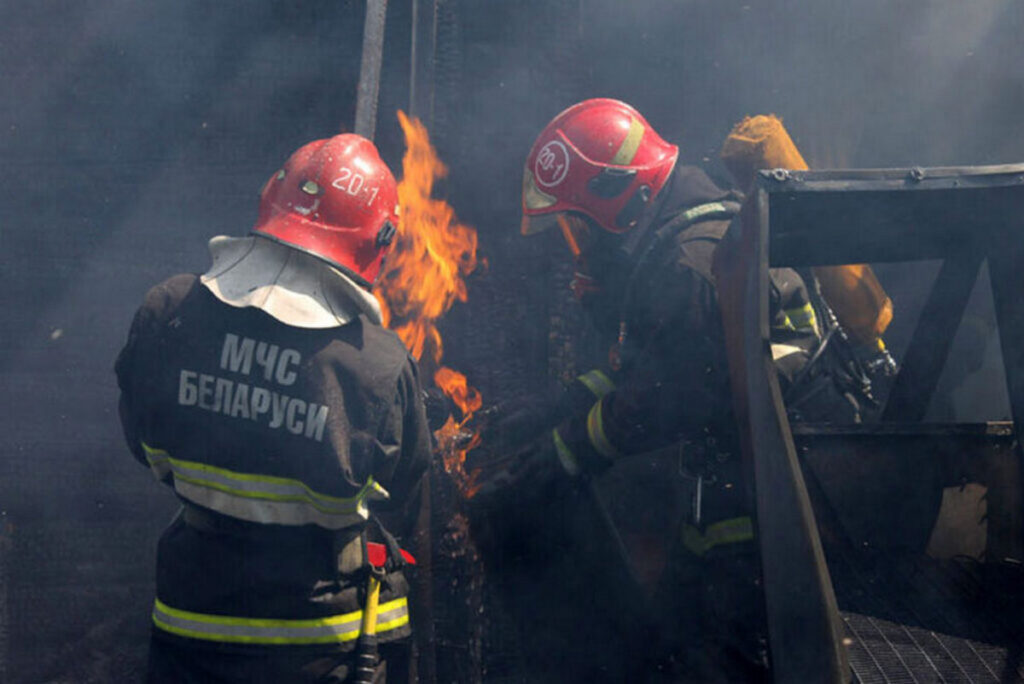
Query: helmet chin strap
(636, 237)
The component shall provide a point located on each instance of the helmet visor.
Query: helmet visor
(535, 200)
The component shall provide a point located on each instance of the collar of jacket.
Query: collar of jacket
(687, 186)
(295, 288)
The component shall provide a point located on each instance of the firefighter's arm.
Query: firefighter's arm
(129, 379)
(675, 386)
(515, 423)
(632, 419)
(137, 364)
(404, 454)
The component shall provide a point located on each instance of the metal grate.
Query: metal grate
(916, 619)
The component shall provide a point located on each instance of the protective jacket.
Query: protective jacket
(279, 441)
(667, 379)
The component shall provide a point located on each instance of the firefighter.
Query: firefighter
(267, 395)
(642, 229)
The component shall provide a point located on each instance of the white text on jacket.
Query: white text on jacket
(246, 356)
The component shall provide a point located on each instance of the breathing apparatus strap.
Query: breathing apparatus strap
(723, 210)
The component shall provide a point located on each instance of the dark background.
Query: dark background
(132, 132)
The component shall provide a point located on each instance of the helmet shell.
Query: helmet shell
(599, 157)
(337, 200)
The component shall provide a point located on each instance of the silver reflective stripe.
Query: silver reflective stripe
(700, 210)
(780, 351)
(262, 498)
(393, 617)
(222, 628)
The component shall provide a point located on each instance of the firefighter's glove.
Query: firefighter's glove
(533, 471)
(514, 424)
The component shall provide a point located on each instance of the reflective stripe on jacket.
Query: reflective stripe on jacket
(337, 629)
(261, 498)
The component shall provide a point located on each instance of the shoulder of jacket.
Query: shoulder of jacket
(387, 344)
(166, 295)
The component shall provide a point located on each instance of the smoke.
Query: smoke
(132, 132)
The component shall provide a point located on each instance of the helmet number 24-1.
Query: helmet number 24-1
(353, 183)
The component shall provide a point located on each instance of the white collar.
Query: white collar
(295, 288)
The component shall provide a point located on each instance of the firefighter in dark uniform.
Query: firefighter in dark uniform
(643, 230)
(267, 395)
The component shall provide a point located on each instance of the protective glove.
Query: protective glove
(514, 424)
(522, 475)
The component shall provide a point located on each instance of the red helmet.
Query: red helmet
(334, 199)
(599, 157)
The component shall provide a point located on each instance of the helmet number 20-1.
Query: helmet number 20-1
(552, 164)
(353, 184)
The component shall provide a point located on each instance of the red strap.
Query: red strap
(377, 554)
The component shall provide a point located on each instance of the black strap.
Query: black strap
(723, 210)
(396, 561)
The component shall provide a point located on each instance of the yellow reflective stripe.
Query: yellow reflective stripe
(267, 496)
(257, 622)
(782, 322)
(243, 639)
(630, 144)
(263, 499)
(731, 531)
(565, 455)
(694, 213)
(158, 459)
(597, 382)
(222, 628)
(313, 497)
(595, 431)
(802, 318)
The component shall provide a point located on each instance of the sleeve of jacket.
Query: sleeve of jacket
(131, 364)
(401, 472)
(674, 386)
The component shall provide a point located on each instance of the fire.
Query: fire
(454, 383)
(423, 278)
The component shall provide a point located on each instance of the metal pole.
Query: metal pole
(369, 70)
(423, 55)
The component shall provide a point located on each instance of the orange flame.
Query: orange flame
(454, 383)
(425, 275)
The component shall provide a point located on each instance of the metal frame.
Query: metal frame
(805, 218)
